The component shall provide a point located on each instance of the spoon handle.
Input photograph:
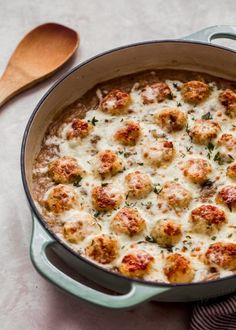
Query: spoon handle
(12, 83)
(6, 91)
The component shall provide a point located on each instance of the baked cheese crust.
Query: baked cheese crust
(139, 176)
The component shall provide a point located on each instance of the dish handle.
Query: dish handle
(41, 240)
(213, 32)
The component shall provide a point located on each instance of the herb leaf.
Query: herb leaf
(157, 190)
(207, 184)
(94, 121)
(207, 116)
(218, 158)
(77, 180)
(150, 239)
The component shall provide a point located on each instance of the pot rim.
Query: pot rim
(23, 168)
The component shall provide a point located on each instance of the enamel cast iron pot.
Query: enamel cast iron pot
(195, 53)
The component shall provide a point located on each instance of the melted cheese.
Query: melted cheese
(106, 125)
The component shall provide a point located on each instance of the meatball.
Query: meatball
(79, 128)
(226, 148)
(204, 131)
(159, 154)
(137, 264)
(129, 134)
(228, 99)
(128, 221)
(103, 249)
(65, 170)
(195, 91)
(227, 195)
(167, 233)
(221, 254)
(107, 164)
(156, 92)
(231, 171)
(82, 225)
(206, 219)
(139, 184)
(176, 195)
(171, 119)
(178, 269)
(116, 102)
(61, 198)
(106, 198)
(197, 170)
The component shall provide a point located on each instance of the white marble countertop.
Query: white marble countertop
(27, 301)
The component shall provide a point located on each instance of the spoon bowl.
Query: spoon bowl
(39, 54)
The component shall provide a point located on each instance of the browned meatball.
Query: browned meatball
(159, 154)
(204, 131)
(167, 233)
(197, 170)
(231, 171)
(195, 91)
(61, 198)
(207, 219)
(226, 148)
(176, 195)
(107, 164)
(228, 99)
(178, 269)
(156, 92)
(106, 198)
(171, 119)
(129, 134)
(139, 184)
(227, 195)
(222, 254)
(103, 249)
(116, 102)
(136, 264)
(79, 128)
(128, 221)
(82, 225)
(65, 170)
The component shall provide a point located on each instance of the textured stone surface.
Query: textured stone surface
(27, 301)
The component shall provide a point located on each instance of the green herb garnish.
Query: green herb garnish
(94, 121)
(96, 214)
(170, 96)
(213, 238)
(157, 190)
(189, 148)
(207, 184)
(187, 129)
(150, 239)
(175, 85)
(77, 180)
(218, 158)
(210, 148)
(127, 154)
(207, 116)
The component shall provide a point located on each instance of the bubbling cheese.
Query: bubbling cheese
(152, 207)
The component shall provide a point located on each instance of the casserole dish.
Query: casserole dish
(193, 53)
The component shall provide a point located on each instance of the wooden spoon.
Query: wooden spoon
(39, 54)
